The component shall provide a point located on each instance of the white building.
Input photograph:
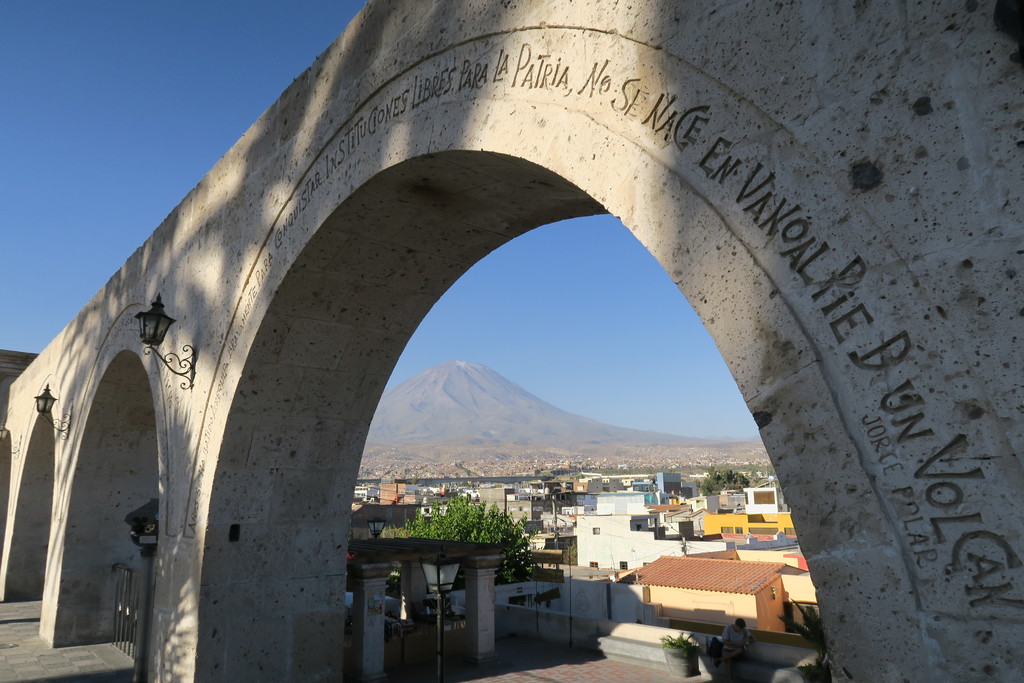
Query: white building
(618, 542)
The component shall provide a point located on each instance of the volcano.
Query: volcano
(467, 403)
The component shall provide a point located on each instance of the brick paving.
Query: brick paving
(525, 660)
(25, 657)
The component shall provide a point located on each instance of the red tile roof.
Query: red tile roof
(694, 573)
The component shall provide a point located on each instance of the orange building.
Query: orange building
(716, 591)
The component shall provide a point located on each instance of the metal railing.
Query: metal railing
(126, 608)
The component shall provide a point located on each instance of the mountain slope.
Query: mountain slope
(460, 402)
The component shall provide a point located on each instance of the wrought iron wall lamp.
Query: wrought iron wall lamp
(44, 406)
(153, 325)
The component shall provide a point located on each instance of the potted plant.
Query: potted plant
(812, 630)
(681, 654)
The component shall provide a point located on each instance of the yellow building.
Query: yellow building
(764, 524)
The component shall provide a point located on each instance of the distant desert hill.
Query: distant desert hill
(470, 404)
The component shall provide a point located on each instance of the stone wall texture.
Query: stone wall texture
(835, 187)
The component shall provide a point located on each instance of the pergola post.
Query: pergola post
(414, 589)
(479, 572)
(368, 582)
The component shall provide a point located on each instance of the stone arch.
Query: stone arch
(311, 383)
(26, 556)
(116, 470)
(424, 138)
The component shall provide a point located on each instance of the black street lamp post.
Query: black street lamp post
(143, 526)
(439, 574)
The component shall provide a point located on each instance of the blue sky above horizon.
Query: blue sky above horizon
(113, 111)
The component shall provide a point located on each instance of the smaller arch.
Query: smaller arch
(116, 470)
(24, 558)
(6, 463)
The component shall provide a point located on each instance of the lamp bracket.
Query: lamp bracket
(185, 363)
(63, 426)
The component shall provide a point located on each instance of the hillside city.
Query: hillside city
(662, 549)
(437, 461)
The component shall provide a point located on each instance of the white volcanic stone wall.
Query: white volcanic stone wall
(835, 189)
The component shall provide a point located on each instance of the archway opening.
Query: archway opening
(30, 535)
(578, 314)
(117, 471)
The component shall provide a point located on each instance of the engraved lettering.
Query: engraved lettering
(597, 81)
(694, 129)
(713, 153)
(944, 494)
(848, 277)
(885, 356)
(910, 422)
(849, 320)
(937, 523)
(905, 400)
(773, 220)
(745, 192)
(629, 102)
(946, 455)
(798, 252)
(501, 66)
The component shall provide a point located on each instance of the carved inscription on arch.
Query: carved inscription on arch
(932, 477)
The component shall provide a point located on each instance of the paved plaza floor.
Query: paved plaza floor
(25, 657)
(525, 660)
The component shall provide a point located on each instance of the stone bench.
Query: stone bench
(639, 644)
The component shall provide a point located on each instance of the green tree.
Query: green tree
(462, 520)
(718, 480)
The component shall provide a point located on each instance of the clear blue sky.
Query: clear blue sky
(112, 111)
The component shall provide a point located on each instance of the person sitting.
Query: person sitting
(735, 640)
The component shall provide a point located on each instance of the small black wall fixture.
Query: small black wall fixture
(44, 406)
(153, 325)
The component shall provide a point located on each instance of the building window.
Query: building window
(596, 531)
(790, 531)
(739, 530)
(623, 565)
(593, 565)
(764, 530)
(639, 527)
(728, 530)
(764, 497)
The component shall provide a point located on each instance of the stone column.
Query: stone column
(479, 571)
(414, 589)
(368, 581)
